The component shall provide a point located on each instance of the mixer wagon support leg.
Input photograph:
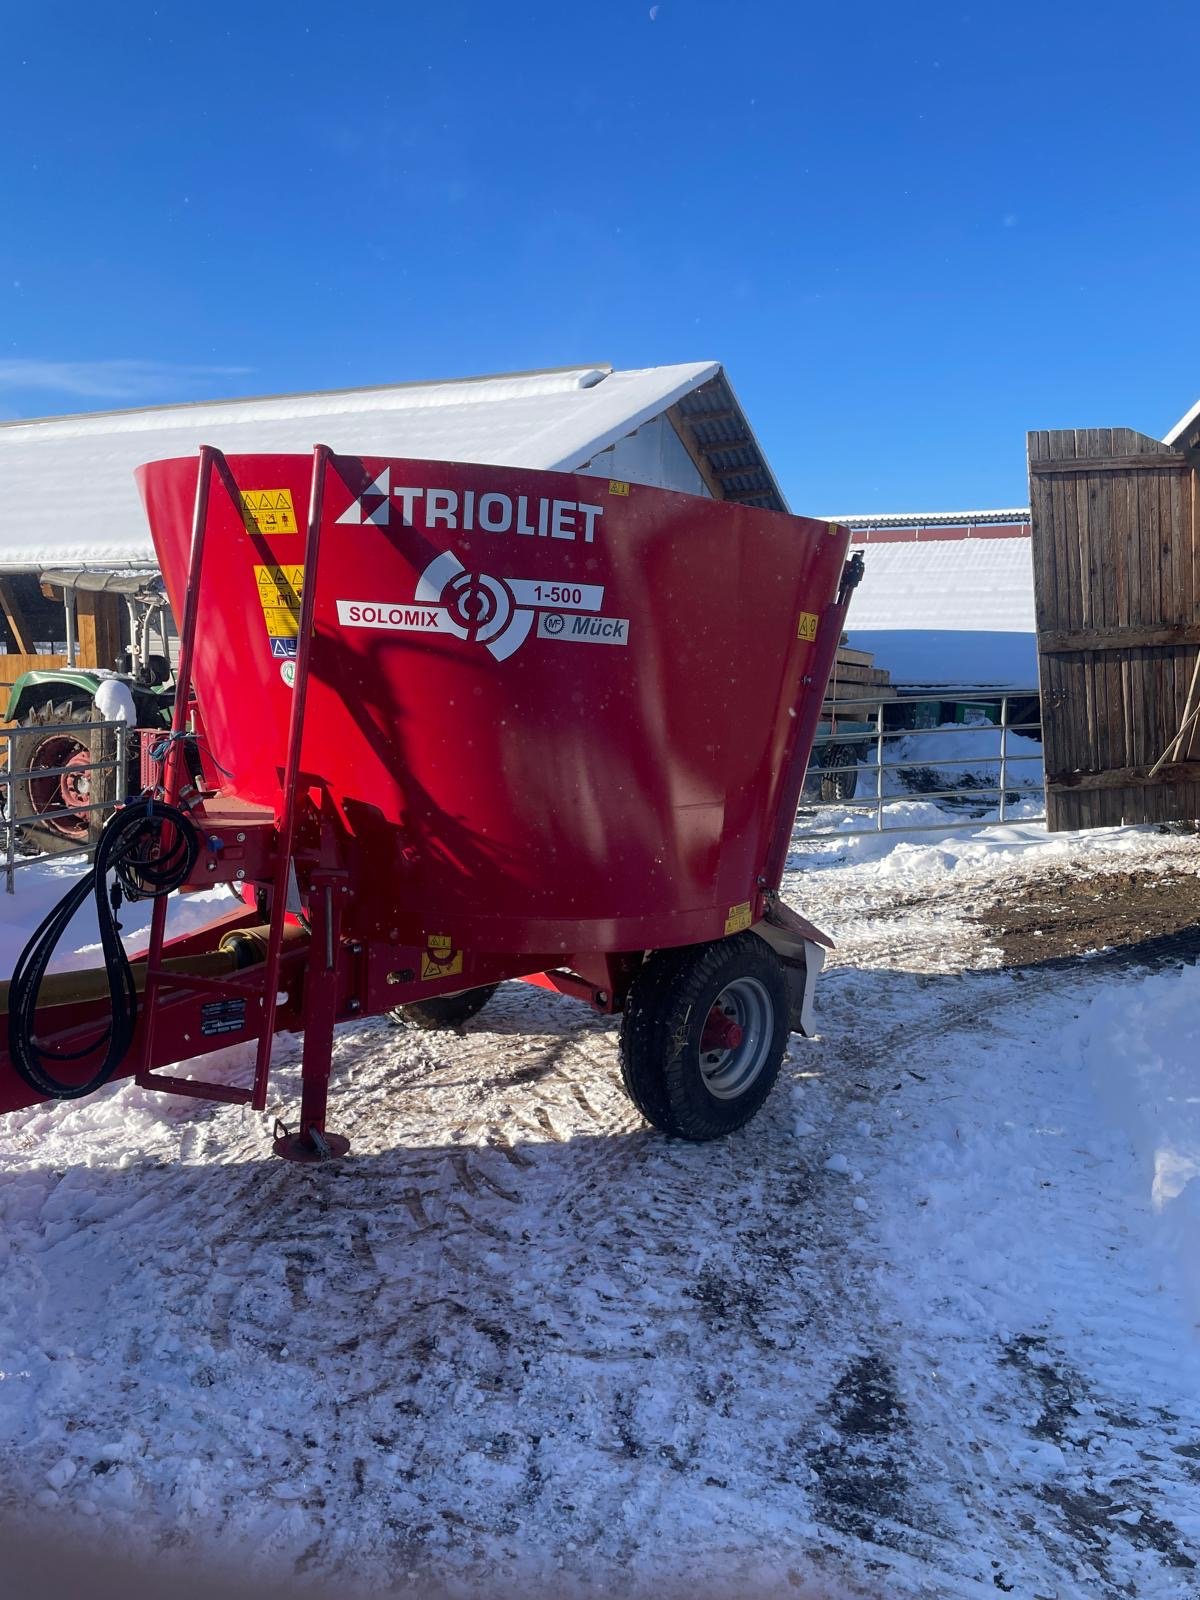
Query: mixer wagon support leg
(311, 1143)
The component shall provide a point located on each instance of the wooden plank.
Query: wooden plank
(1136, 510)
(1073, 742)
(849, 673)
(1125, 777)
(21, 631)
(97, 629)
(866, 692)
(1173, 600)
(13, 665)
(1050, 671)
(1158, 727)
(1164, 462)
(1068, 640)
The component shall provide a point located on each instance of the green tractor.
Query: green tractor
(65, 724)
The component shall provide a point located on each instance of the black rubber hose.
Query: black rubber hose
(131, 848)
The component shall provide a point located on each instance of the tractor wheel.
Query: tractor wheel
(839, 773)
(446, 1010)
(703, 1035)
(47, 741)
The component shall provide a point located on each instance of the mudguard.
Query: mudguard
(801, 947)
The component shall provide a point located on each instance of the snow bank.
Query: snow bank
(937, 845)
(958, 752)
(39, 885)
(1140, 1045)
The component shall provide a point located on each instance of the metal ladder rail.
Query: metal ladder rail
(174, 766)
(291, 776)
(265, 984)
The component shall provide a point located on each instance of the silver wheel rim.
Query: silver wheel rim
(729, 1071)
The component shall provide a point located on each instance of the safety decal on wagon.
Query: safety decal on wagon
(498, 613)
(269, 511)
(739, 918)
(279, 590)
(440, 959)
(806, 626)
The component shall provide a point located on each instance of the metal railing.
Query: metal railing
(20, 822)
(862, 750)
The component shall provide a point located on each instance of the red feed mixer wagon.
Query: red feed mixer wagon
(446, 725)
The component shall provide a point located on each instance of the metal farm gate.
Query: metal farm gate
(1117, 591)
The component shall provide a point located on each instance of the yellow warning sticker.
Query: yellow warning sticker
(616, 486)
(269, 511)
(806, 627)
(738, 919)
(279, 591)
(440, 959)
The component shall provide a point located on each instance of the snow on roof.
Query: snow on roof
(67, 495)
(948, 610)
(1181, 433)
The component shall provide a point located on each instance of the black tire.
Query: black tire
(40, 744)
(446, 1010)
(839, 773)
(676, 1086)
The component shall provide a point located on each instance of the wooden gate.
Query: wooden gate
(1115, 525)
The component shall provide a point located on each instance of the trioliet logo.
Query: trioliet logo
(534, 516)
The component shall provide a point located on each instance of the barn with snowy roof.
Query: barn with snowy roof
(946, 600)
(74, 536)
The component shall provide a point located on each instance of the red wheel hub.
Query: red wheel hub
(70, 789)
(721, 1032)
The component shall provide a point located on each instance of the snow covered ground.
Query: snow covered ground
(928, 1327)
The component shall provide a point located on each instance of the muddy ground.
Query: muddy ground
(1062, 913)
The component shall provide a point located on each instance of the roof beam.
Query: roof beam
(15, 617)
(695, 449)
(726, 444)
(726, 414)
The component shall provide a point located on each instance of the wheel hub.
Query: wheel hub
(68, 790)
(721, 1032)
(736, 1040)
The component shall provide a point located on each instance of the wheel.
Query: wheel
(839, 773)
(446, 1010)
(703, 1035)
(46, 742)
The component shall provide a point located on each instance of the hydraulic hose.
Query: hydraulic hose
(149, 848)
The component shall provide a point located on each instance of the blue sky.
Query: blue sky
(910, 233)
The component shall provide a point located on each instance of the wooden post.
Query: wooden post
(98, 623)
(21, 631)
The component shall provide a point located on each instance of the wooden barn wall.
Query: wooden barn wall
(1117, 585)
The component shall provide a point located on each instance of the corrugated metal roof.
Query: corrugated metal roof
(732, 459)
(934, 519)
(67, 495)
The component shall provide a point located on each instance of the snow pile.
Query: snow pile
(40, 884)
(931, 849)
(954, 755)
(1141, 1048)
(962, 755)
